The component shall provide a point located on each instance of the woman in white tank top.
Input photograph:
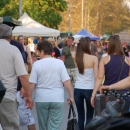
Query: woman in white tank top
(87, 69)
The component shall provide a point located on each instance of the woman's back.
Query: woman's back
(113, 69)
(50, 74)
(87, 79)
(89, 61)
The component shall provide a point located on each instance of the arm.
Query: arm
(28, 93)
(68, 86)
(29, 56)
(123, 84)
(32, 85)
(128, 62)
(95, 67)
(99, 80)
(73, 56)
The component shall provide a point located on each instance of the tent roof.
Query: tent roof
(32, 28)
(84, 33)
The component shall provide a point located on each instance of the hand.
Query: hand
(70, 100)
(102, 88)
(92, 101)
(22, 93)
(29, 102)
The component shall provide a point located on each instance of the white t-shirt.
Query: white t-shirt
(49, 74)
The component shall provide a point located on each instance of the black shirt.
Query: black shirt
(21, 49)
(57, 52)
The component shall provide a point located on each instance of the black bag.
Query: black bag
(2, 91)
(72, 123)
(104, 102)
(109, 123)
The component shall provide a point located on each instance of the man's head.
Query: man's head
(5, 32)
(21, 39)
(70, 41)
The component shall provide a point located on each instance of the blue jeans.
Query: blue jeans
(79, 96)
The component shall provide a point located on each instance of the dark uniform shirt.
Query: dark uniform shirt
(21, 49)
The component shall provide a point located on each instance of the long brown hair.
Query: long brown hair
(100, 44)
(82, 47)
(115, 46)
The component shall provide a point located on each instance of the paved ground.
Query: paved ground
(64, 122)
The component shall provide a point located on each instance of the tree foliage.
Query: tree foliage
(3, 3)
(46, 12)
(99, 16)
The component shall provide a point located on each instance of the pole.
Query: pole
(20, 8)
(70, 8)
(82, 13)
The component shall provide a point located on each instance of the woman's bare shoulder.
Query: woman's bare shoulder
(105, 59)
(93, 57)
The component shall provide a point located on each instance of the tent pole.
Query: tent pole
(20, 8)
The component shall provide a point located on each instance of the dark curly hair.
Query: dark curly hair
(45, 46)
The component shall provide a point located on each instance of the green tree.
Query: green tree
(46, 12)
(100, 16)
(3, 3)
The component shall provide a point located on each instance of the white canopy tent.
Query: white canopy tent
(32, 28)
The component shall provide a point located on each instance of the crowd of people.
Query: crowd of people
(81, 68)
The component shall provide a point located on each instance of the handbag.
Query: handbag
(101, 99)
(121, 104)
(121, 122)
(2, 91)
(72, 123)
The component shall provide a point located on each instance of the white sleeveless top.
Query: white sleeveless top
(86, 80)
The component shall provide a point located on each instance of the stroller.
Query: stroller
(111, 112)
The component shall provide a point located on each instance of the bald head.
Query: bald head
(5, 32)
